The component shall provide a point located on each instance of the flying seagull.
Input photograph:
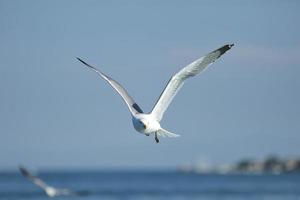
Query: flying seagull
(149, 123)
(49, 190)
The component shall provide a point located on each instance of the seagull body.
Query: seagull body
(49, 190)
(149, 123)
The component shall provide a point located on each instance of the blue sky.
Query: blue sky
(54, 113)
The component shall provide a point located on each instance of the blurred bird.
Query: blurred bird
(49, 190)
(150, 123)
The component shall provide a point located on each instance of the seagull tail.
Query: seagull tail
(164, 133)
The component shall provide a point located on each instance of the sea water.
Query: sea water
(156, 185)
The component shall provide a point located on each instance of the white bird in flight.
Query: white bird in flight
(149, 123)
(49, 190)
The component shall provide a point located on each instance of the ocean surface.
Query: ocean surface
(154, 185)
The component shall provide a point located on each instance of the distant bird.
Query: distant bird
(150, 123)
(49, 190)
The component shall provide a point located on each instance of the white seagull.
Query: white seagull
(149, 123)
(49, 190)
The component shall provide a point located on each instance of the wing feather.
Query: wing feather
(177, 81)
(37, 181)
(131, 104)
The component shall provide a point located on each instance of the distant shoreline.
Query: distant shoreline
(270, 165)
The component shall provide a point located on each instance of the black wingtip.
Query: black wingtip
(23, 170)
(81, 61)
(225, 48)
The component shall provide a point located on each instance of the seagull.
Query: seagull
(149, 123)
(49, 190)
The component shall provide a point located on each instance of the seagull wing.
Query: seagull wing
(132, 106)
(176, 81)
(37, 181)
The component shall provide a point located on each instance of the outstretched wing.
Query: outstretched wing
(37, 181)
(132, 106)
(178, 79)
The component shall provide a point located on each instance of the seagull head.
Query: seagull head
(143, 123)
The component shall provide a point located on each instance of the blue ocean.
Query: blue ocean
(156, 185)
